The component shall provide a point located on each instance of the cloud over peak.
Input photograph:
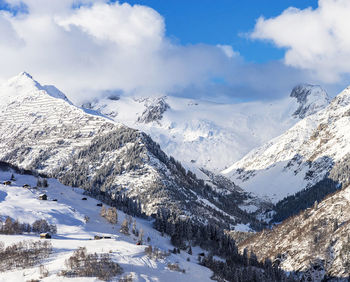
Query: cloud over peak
(99, 46)
(89, 47)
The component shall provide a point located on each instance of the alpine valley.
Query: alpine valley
(233, 192)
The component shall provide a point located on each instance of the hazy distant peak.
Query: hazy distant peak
(311, 99)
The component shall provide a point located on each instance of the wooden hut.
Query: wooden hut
(45, 236)
(99, 237)
(43, 197)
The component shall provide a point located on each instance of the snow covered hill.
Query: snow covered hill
(42, 131)
(300, 157)
(211, 135)
(68, 213)
(314, 244)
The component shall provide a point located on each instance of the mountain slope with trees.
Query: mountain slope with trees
(46, 134)
(313, 245)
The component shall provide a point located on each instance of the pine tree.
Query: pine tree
(245, 256)
(45, 184)
(335, 225)
(253, 260)
(38, 183)
(190, 251)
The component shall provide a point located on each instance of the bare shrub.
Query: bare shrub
(82, 264)
(125, 227)
(126, 278)
(23, 254)
(111, 214)
(155, 253)
(42, 226)
(103, 211)
(175, 267)
(10, 227)
(44, 272)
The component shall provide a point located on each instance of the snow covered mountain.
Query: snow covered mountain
(314, 245)
(43, 132)
(206, 134)
(300, 157)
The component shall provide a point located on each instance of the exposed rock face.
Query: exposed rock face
(311, 99)
(155, 108)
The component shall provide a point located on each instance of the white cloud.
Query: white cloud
(102, 46)
(96, 46)
(228, 50)
(316, 39)
(127, 26)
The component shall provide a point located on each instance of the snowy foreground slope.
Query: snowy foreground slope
(207, 134)
(72, 232)
(314, 244)
(300, 157)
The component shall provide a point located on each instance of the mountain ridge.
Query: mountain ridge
(52, 136)
(196, 132)
(300, 157)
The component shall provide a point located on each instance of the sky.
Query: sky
(224, 21)
(224, 51)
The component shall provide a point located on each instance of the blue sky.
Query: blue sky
(178, 47)
(223, 22)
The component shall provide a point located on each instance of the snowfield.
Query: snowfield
(208, 134)
(68, 214)
(300, 157)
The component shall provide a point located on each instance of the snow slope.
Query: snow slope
(207, 134)
(68, 214)
(300, 157)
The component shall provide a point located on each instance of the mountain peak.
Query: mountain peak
(342, 99)
(23, 79)
(311, 99)
(23, 73)
(24, 85)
